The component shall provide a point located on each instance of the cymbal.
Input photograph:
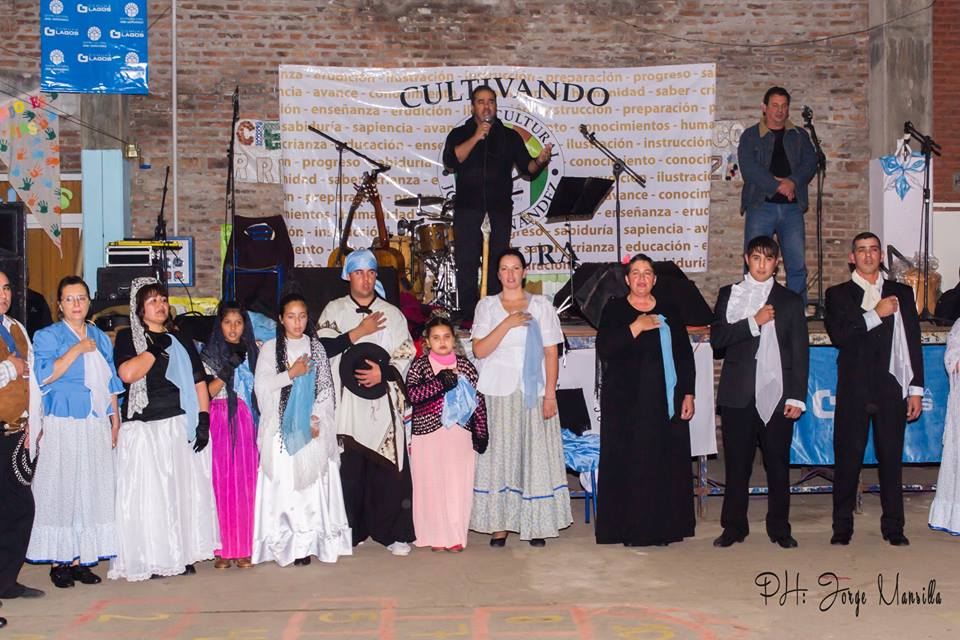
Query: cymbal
(418, 201)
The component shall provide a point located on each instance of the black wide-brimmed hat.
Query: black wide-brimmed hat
(353, 360)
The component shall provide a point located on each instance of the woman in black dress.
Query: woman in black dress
(646, 490)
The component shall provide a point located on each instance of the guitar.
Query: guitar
(386, 255)
(338, 255)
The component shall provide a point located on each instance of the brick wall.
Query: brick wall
(946, 98)
(226, 43)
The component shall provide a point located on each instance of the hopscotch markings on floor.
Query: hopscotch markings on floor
(365, 617)
(239, 634)
(133, 618)
(636, 622)
(380, 619)
(528, 622)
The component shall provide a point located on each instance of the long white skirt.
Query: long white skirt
(166, 512)
(291, 524)
(74, 492)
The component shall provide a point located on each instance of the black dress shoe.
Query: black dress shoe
(301, 562)
(189, 570)
(538, 542)
(61, 576)
(787, 541)
(3, 623)
(84, 575)
(897, 539)
(841, 538)
(498, 542)
(727, 539)
(20, 591)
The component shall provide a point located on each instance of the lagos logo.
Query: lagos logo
(530, 196)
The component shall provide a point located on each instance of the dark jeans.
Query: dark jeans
(742, 430)
(468, 251)
(786, 222)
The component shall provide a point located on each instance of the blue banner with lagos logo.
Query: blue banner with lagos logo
(98, 46)
(813, 433)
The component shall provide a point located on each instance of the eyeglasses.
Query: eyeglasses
(72, 299)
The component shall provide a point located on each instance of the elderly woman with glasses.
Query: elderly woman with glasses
(75, 526)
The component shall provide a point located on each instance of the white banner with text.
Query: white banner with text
(659, 120)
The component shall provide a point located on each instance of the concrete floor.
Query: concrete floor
(571, 589)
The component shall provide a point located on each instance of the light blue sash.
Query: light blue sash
(180, 373)
(532, 364)
(295, 427)
(243, 385)
(459, 404)
(669, 369)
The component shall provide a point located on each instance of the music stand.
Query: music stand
(577, 199)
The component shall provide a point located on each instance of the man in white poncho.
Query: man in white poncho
(374, 469)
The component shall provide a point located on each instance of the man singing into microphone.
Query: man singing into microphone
(482, 153)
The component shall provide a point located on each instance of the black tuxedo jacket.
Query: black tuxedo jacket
(863, 364)
(738, 348)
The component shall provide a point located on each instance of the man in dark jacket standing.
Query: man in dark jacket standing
(777, 160)
(874, 324)
(761, 330)
(483, 153)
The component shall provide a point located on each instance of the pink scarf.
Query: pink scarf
(438, 362)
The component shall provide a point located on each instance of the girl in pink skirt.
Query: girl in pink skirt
(230, 358)
(449, 425)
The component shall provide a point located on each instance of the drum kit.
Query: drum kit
(426, 241)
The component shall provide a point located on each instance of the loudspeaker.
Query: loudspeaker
(13, 255)
(320, 285)
(594, 283)
(113, 283)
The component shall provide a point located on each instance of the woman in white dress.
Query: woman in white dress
(299, 507)
(166, 513)
(74, 486)
(521, 480)
(945, 509)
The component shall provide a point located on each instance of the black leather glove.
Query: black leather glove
(448, 378)
(203, 432)
(158, 343)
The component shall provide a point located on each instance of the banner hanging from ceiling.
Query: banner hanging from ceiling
(93, 47)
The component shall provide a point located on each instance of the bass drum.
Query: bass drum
(434, 238)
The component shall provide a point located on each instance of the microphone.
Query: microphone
(807, 113)
(488, 120)
(908, 127)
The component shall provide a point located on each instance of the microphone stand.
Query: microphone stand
(818, 311)
(928, 147)
(231, 200)
(160, 233)
(342, 146)
(619, 167)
